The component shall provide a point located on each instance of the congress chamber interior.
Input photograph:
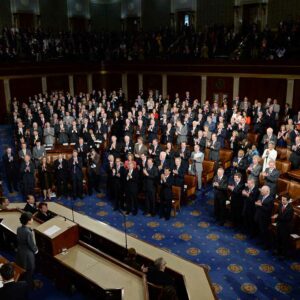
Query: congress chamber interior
(149, 149)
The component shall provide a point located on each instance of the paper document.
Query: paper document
(295, 236)
(51, 230)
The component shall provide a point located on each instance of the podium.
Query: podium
(55, 235)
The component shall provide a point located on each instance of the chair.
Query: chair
(191, 182)
(295, 235)
(281, 153)
(253, 138)
(226, 157)
(176, 198)
(155, 291)
(283, 166)
(208, 171)
(294, 174)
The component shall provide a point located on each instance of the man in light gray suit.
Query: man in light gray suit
(49, 138)
(214, 147)
(26, 247)
(196, 169)
(38, 152)
(181, 132)
(24, 151)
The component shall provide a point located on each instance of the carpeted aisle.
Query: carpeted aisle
(239, 269)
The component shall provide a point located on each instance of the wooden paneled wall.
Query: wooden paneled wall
(2, 102)
(263, 88)
(203, 86)
(22, 88)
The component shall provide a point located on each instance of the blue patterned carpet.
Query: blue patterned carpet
(239, 269)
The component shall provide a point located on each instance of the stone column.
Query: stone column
(44, 84)
(203, 88)
(71, 85)
(290, 92)
(164, 85)
(7, 94)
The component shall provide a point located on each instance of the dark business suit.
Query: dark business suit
(237, 203)
(27, 178)
(26, 252)
(283, 228)
(262, 217)
(11, 168)
(214, 150)
(131, 190)
(249, 210)
(179, 178)
(76, 175)
(242, 165)
(185, 156)
(118, 186)
(150, 189)
(61, 176)
(14, 291)
(166, 196)
(271, 180)
(30, 208)
(220, 198)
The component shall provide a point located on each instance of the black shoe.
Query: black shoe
(134, 213)
(127, 212)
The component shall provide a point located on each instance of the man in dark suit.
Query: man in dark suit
(10, 166)
(127, 147)
(250, 194)
(93, 169)
(263, 212)
(27, 176)
(295, 155)
(150, 174)
(185, 154)
(75, 170)
(11, 289)
(166, 181)
(220, 191)
(60, 167)
(163, 162)
(117, 177)
(30, 205)
(154, 151)
(178, 172)
(271, 176)
(240, 164)
(284, 220)
(214, 148)
(236, 203)
(82, 150)
(131, 189)
(43, 213)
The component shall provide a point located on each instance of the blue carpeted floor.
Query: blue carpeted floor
(239, 269)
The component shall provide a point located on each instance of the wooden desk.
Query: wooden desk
(103, 272)
(195, 277)
(18, 270)
(11, 219)
(65, 236)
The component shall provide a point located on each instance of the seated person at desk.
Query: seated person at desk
(130, 259)
(43, 213)
(4, 203)
(30, 205)
(156, 274)
(12, 290)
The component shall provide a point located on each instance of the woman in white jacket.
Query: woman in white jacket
(269, 154)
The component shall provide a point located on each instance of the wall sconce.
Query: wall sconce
(236, 9)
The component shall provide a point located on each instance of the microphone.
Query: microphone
(125, 228)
